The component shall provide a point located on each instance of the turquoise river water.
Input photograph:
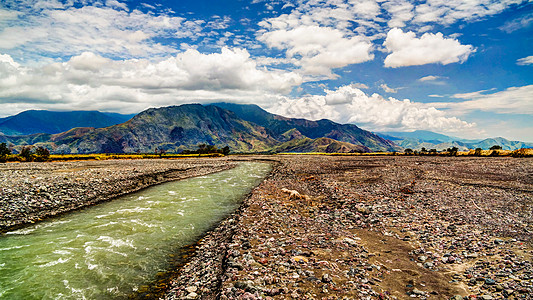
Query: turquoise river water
(107, 251)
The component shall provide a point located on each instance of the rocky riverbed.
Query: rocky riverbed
(32, 191)
(327, 227)
(323, 227)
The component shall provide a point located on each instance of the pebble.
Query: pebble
(302, 247)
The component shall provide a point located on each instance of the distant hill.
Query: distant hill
(177, 128)
(431, 140)
(43, 121)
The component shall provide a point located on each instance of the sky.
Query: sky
(458, 67)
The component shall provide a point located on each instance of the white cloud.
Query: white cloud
(400, 12)
(517, 24)
(408, 50)
(525, 61)
(387, 89)
(514, 100)
(319, 49)
(89, 81)
(431, 78)
(348, 104)
(447, 12)
(109, 29)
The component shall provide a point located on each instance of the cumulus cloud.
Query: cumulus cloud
(90, 81)
(348, 104)
(107, 28)
(408, 50)
(525, 61)
(319, 49)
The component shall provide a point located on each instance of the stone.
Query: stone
(192, 295)
(418, 292)
(350, 241)
(300, 258)
(191, 289)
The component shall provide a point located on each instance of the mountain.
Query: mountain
(278, 127)
(177, 128)
(322, 145)
(424, 135)
(431, 140)
(43, 121)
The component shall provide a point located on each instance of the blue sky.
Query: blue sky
(458, 67)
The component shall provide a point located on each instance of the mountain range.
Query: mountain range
(244, 128)
(419, 139)
(43, 121)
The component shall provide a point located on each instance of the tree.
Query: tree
(42, 154)
(477, 152)
(4, 150)
(26, 153)
(433, 151)
(452, 151)
(408, 151)
(225, 150)
(496, 147)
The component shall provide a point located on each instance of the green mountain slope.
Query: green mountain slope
(177, 128)
(172, 129)
(278, 125)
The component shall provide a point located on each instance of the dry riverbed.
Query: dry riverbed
(327, 227)
(324, 227)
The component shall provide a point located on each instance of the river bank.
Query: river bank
(323, 227)
(31, 192)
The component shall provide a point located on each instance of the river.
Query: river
(109, 250)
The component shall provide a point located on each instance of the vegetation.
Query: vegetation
(4, 152)
(208, 149)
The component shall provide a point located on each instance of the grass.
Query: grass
(105, 156)
(484, 153)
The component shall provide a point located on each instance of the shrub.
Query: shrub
(26, 153)
(42, 154)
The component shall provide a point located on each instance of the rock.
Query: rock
(326, 278)
(422, 258)
(247, 286)
(192, 295)
(350, 241)
(418, 292)
(300, 258)
(191, 289)
(456, 297)
(490, 281)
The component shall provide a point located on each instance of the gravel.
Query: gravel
(31, 192)
(326, 227)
